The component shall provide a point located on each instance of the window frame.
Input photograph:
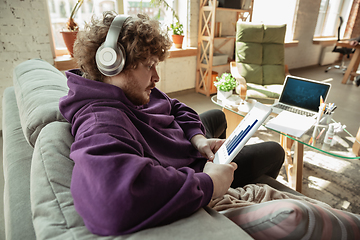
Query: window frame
(120, 4)
(261, 7)
(343, 9)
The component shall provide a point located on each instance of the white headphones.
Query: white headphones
(110, 56)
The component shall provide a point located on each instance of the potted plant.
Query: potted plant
(225, 85)
(177, 34)
(177, 27)
(72, 28)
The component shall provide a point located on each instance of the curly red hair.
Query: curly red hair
(140, 36)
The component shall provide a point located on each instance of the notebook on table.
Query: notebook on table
(301, 96)
(242, 133)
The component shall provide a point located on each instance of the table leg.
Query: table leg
(356, 66)
(286, 144)
(298, 165)
(293, 166)
(232, 120)
(351, 66)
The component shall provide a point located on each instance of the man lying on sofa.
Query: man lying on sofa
(142, 159)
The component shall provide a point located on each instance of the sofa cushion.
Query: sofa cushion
(17, 155)
(38, 86)
(54, 214)
(295, 219)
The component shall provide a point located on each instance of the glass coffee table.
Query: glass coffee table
(341, 147)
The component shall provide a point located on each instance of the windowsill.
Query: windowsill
(327, 41)
(293, 43)
(182, 52)
(66, 62)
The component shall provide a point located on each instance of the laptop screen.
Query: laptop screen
(304, 93)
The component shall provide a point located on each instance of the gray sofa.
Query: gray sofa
(37, 169)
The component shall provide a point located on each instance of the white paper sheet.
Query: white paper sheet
(291, 123)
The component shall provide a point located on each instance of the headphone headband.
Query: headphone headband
(113, 34)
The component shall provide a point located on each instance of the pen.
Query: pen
(332, 110)
(320, 134)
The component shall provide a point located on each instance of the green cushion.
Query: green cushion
(251, 72)
(251, 53)
(249, 32)
(275, 74)
(274, 33)
(273, 54)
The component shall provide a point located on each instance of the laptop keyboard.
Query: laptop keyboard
(294, 110)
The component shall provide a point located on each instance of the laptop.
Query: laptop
(301, 96)
(242, 133)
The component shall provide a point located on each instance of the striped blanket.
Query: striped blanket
(266, 213)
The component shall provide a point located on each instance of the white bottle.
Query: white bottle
(328, 138)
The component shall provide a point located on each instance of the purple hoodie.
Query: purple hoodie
(135, 167)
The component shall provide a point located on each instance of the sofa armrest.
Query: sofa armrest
(16, 165)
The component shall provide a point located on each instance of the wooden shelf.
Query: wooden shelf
(206, 38)
(225, 37)
(223, 65)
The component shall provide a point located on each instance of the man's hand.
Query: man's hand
(354, 43)
(207, 147)
(222, 176)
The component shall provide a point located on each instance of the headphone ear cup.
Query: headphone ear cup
(110, 61)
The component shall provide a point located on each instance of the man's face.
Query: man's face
(137, 83)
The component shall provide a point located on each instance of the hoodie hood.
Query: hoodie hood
(83, 91)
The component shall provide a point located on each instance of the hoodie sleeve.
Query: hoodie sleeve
(187, 118)
(118, 190)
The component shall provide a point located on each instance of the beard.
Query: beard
(135, 93)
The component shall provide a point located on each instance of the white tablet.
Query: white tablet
(242, 133)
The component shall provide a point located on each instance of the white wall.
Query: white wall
(306, 53)
(24, 34)
(177, 74)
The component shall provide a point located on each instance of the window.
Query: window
(60, 12)
(133, 7)
(272, 12)
(328, 18)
